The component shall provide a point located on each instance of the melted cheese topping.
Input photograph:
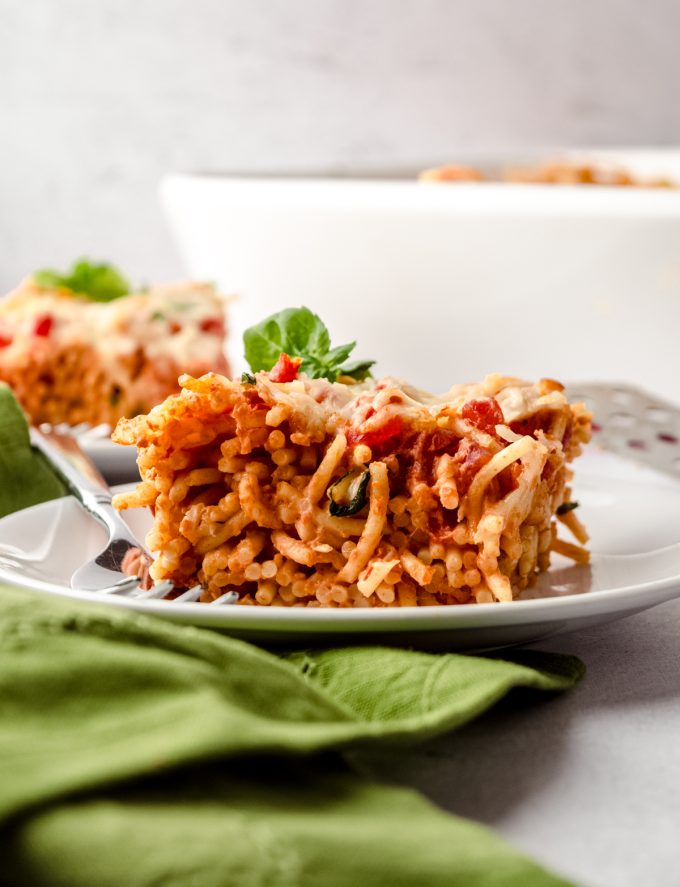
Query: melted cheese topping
(181, 321)
(368, 406)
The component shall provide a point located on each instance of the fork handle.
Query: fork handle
(82, 479)
(79, 474)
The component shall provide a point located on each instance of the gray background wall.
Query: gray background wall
(98, 98)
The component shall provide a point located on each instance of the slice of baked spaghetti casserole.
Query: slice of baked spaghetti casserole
(295, 491)
(73, 356)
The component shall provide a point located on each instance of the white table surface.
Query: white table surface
(587, 782)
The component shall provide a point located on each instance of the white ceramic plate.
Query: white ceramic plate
(633, 514)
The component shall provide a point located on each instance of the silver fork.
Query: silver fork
(102, 573)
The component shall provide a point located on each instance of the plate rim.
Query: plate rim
(451, 616)
(567, 606)
(319, 619)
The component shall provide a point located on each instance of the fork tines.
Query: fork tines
(161, 590)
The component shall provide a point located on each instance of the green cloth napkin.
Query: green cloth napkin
(140, 752)
(25, 478)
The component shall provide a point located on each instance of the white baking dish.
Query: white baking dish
(444, 283)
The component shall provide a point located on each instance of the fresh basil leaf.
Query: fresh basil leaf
(315, 368)
(263, 344)
(260, 347)
(305, 333)
(247, 379)
(299, 333)
(48, 279)
(359, 370)
(337, 355)
(98, 282)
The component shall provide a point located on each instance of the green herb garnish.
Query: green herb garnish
(248, 379)
(300, 333)
(566, 507)
(98, 282)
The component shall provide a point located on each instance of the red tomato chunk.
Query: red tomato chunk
(43, 325)
(5, 340)
(213, 325)
(484, 414)
(377, 436)
(470, 459)
(285, 369)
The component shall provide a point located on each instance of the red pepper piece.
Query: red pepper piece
(285, 369)
(470, 458)
(43, 325)
(378, 436)
(213, 325)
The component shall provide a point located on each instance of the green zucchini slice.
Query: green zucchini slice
(349, 493)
